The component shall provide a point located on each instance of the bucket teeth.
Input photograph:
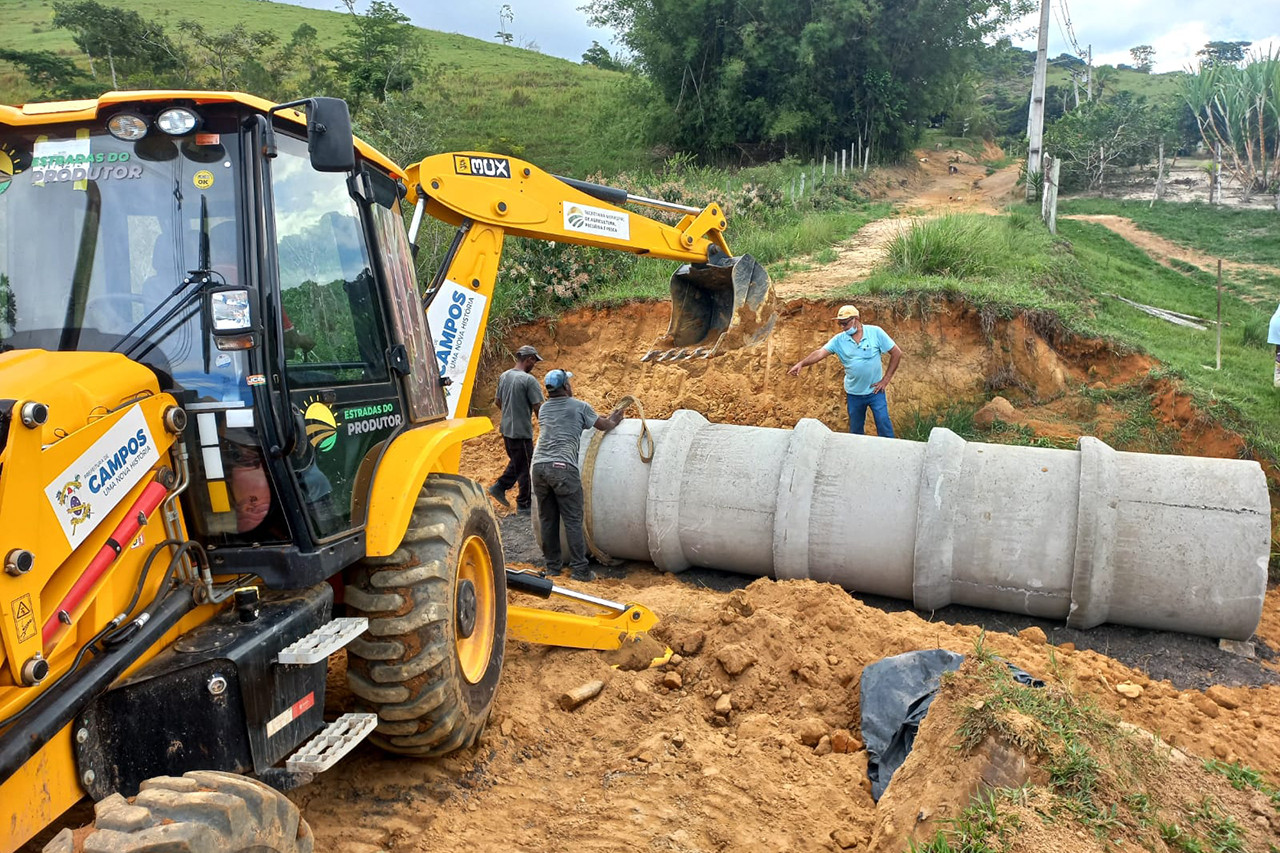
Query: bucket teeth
(715, 307)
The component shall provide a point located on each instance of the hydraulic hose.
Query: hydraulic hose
(54, 709)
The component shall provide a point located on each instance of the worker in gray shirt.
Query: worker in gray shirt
(518, 396)
(557, 483)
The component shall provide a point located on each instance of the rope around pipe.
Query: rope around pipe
(643, 440)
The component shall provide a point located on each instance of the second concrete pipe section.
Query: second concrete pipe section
(1090, 535)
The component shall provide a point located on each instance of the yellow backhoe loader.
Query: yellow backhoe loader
(225, 417)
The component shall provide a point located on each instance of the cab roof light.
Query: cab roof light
(177, 121)
(127, 126)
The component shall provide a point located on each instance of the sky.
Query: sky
(1110, 26)
(1114, 26)
(555, 26)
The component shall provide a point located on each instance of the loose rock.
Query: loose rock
(1033, 634)
(1221, 696)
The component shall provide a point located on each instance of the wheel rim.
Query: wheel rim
(475, 569)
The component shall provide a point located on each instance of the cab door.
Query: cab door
(340, 366)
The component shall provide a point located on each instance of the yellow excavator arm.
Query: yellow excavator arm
(518, 198)
(718, 301)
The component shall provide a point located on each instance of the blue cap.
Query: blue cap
(557, 378)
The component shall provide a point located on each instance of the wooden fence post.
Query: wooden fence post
(1053, 200)
(1219, 362)
(1215, 177)
(1045, 160)
(1159, 177)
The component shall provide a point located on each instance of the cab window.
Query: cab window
(331, 327)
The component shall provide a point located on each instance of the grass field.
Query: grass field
(1156, 87)
(1249, 236)
(566, 117)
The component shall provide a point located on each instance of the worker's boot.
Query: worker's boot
(499, 495)
(584, 575)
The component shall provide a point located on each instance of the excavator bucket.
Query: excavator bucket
(721, 305)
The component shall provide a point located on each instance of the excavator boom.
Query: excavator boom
(718, 301)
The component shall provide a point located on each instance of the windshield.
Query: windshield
(98, 234)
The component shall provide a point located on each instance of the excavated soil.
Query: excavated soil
(750, 741)
(952, 352)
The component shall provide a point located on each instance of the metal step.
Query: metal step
(332, 743)
(323, 641)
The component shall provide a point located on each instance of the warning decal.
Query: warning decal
(24, 618)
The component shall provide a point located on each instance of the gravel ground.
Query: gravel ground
(1184, 660)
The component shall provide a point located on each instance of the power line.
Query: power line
(1064, 21)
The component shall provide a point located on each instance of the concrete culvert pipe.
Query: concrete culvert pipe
(1090, 535)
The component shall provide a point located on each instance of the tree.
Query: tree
(599, 56)
(136, 50)
(1222, 52)
(1143, 57)
(733, 74)
(1105, 134)
(233, 56)
(55, 76)
(380, 53)
(505, 16)
(1239, 108)
(1105, 79)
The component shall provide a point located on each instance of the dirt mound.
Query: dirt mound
(737, 744)
(996, 759)
(944, 180)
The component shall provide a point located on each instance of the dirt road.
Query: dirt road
(1167, 251)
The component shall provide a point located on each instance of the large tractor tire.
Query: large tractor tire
(204, 811)
(437, 608)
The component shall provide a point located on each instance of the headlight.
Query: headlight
(177, 121)
(127, 126)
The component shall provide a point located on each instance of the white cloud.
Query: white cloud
(1176, 32)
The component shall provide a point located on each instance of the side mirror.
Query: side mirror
(329, 139)
(229, 310)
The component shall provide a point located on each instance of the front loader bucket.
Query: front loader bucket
(715, 307)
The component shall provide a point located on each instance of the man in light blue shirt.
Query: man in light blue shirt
(1273, 337)
(859, 348)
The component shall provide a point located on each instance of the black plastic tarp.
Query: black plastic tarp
(896, 694)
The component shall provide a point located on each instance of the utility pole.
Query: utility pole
(1088, 64)
(1035, 122)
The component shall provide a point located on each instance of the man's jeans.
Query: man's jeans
(558, 488)
(519, 452)
(879, 406)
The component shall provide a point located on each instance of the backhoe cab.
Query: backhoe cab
(221, 400)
